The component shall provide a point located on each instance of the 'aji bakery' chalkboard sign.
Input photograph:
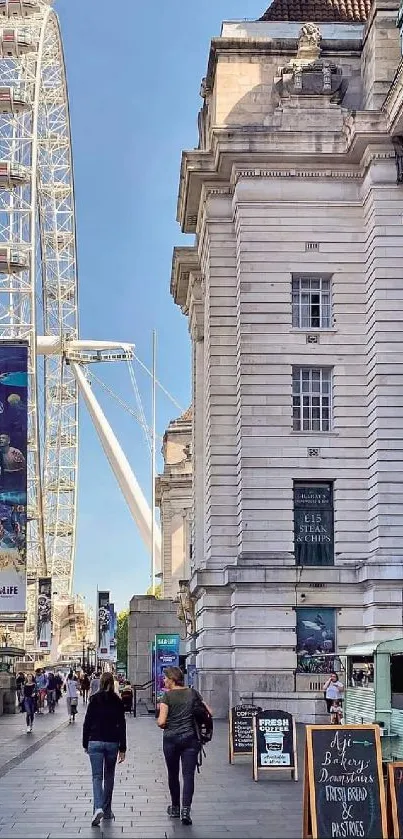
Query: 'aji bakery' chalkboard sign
(240, 730)
(274, 742)
(344, 794)
(395, 798)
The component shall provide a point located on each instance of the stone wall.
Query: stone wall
(147, 617)
(294, 184)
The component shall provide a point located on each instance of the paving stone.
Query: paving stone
(49, 794)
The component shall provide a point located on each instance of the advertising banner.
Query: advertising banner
(152, 665)
(44, 615)
(313, 524)
(113, 633)
(103, 626)
(13, 476)
(316, 639)
(166, 655)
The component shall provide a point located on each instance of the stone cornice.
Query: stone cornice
(278, 153)
(393, 105)
(166, 484)
(342, 174)
(184, 260)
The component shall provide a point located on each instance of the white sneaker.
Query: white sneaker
(98, 815)
(28, 729)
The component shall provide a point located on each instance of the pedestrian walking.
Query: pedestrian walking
(180, 742)
(20, 682)
(95, 683)
(104, 739)
(51, 692)
(40, 681)
(333, 689)
(71, 696)
(29, 701)
(59, 687)
(85, 686)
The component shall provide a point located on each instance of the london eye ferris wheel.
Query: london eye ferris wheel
(38, 271)
(39, 294)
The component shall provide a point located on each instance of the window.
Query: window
(311, 398)
(311, 302)
(313, 523)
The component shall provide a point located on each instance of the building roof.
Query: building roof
(186, 416)
(319, 11)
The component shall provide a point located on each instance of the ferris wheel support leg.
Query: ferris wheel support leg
(120, 466)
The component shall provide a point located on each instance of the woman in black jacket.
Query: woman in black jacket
(104, 739)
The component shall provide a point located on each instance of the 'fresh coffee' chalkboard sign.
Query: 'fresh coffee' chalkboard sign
(240, 730)
(395, 798)
(344, 794)
(274, 742)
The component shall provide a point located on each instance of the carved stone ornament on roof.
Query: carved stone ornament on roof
(307, 74)
(308, 45)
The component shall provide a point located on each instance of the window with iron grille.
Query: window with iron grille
(311, 302)
(311, 398)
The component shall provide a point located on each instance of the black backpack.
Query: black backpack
(203, 723)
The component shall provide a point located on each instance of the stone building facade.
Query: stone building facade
(173, 492)
(294, 297)
(149, 615)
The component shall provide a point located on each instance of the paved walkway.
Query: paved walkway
(14, 741)
(48, 795)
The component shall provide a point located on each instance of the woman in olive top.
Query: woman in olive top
(180, 741)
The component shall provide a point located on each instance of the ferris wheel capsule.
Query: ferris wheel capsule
(13, 175)
(12, 261)
(13, 100)
(18, 8)
(15, 42)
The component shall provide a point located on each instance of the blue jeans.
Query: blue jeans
(182, 748)
(29, 704)
(103, 757)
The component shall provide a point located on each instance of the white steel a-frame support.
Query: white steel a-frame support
(121, 468)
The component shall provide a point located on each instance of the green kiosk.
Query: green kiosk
(374, 691)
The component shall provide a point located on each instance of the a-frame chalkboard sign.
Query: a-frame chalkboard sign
(395, 799)
(274, 743)
(344, 793)
(241, 730)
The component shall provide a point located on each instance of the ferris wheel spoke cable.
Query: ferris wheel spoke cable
(158, 383)
(139, 405)
(122, 403)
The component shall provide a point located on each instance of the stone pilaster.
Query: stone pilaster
(383, 208)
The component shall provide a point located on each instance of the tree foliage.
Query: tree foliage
(122, 636)
(158, 591)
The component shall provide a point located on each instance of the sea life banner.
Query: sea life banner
(44, 615)
(113, 632)
(103, 626)
(166, 655)
(316, 639)
(13, 476)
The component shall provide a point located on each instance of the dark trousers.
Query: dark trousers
(181, 749)
(29, 709)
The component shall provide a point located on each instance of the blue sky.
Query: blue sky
(134, 78)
